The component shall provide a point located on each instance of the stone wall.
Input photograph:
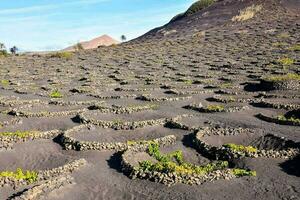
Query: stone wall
(45, 174)
(40, 190)
(21, 113)
(68, 142)
(224, 153)
(6, 142)
(280, 85)
(276, 120)
(169, 178)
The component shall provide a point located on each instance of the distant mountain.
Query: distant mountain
(103, 40)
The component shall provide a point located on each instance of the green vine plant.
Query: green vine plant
(174, 162)
(215, 108)
(240, 148)
(56, 94)
(139, 142)
(19, 174)
(18, 134)
(293, 119)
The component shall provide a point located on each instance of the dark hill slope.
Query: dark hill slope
(220, 13)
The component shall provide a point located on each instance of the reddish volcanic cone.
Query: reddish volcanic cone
(103, 40)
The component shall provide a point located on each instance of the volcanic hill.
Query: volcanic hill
(103, 40)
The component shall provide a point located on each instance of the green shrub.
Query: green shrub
(284, 35)
(153, 150)
(178, 156)
(185, 168)
(19, 134)
(196, 7)
(188, 82)
(150, 106)
(65, 55)
(279, 44)
(56, 94)
(131, 143)
(231, 99)
(117, 122)
(240, 148)
(174, 162)
(199, 5)
(3, 53)
(295, 47)
(139, 142)
(29, 176)
(226, 85)
(285, 61)
(243, 172)
(288, 119)
(215, 108)
(4, 82)
(282, 78)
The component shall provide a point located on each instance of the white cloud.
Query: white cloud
(26, 9)
(39, 8)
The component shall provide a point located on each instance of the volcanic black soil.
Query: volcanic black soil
(197, 60)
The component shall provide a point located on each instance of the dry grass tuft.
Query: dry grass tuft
(169, 32)
(281, 78)
(247, 13)
(66, 55)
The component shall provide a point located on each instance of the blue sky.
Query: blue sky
(42, 25)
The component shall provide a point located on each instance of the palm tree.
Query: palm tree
(3, 51)
(13, 50)
(123, 38)
(2, 46)
(79, 47)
